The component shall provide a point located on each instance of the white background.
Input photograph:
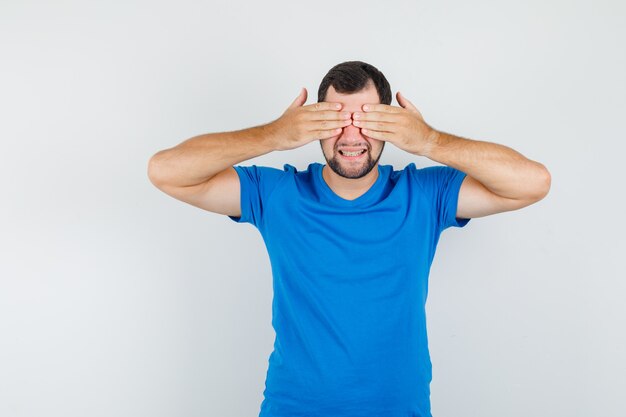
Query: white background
(118, 300)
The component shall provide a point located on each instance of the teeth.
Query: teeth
(346, 153)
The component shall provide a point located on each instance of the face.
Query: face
(351, 137)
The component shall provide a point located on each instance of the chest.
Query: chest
(390, 235)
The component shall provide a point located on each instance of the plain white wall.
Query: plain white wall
(118, 300)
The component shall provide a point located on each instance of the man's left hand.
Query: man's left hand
(403, 126)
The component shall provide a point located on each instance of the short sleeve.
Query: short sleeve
(442, 184)
(256, 183)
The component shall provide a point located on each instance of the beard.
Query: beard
(346, 170)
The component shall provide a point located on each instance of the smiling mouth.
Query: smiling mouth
(352, 154)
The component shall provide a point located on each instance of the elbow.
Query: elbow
(153, 169)
(547, 181)
(543, 184)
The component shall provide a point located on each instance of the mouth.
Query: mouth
(352, 154)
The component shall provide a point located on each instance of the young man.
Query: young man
(350, 242)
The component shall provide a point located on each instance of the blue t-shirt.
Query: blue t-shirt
(350, 280)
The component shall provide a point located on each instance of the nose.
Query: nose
(351, 132)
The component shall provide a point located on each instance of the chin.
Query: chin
(352, 171)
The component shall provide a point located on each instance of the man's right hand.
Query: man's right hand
(300, 124)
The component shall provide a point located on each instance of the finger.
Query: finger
(381, 108)
(404, 102)
(407, 104)
(329, 115)
(377, 126)
(376, 115)
(374, 134)
(323, 105)
(325, 134)
(300, 100)
(328, 124)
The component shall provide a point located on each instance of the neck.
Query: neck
(349, 188)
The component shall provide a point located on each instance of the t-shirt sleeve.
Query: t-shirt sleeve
(442, 184)
(256, 185)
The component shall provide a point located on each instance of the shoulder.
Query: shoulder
(435, 177)
(263, 173)
(433, 172)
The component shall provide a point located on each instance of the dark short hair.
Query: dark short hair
(351, 77)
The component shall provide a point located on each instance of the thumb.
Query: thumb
(406, 103)
(300, 100)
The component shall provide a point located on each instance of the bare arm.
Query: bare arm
(498, 178)
(200, 171)
(199, 158)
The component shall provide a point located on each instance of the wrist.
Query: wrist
(430, 144)
(267, 135)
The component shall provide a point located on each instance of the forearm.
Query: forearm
(201, 157)
(499, 168)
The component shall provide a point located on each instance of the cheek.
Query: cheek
(329, 143)
(374, 143)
